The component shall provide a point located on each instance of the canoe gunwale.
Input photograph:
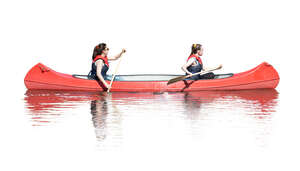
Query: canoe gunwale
(78, 76)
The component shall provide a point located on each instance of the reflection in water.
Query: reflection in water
(99, 113)
(49, 106)
(103, 120)
(251, 109)
(253, 102)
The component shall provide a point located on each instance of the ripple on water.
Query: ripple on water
(191, 110)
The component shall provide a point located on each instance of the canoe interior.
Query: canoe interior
(148, 77)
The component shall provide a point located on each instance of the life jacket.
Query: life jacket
(104, 58)
(93, 73)
(197, 58)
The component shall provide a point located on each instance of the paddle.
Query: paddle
(113, 77)
(180, 78)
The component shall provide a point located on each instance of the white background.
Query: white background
(158, 36)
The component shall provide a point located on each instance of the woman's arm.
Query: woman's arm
(99, 65)
(117, 56)
(185, 66)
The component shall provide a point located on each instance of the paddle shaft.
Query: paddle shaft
(180, 78)
(113, 77)
(202, 72)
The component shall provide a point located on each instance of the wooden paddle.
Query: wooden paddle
(180, 78)
(113, 77)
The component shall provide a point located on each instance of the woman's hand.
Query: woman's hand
(107, 86)
(123, 51)
(189, 73)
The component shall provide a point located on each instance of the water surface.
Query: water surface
(121, 118)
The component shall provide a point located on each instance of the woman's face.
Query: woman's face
(105, 51)
(200, 52)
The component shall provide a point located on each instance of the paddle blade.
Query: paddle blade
(174, 80)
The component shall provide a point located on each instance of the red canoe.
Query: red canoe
(261, 77)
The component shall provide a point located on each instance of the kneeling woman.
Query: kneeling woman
(194, 64)
(100, 64)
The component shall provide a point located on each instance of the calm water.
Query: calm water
(217, 130)
(121, 118)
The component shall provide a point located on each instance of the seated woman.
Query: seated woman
(100, 64)
(194, 64)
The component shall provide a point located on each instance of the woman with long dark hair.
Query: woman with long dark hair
(100, 64)
(194, 64)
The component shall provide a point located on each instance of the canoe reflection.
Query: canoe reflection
(259, 103)
(109, 110)
(46, 106)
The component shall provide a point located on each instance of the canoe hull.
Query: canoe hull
(261, 77)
